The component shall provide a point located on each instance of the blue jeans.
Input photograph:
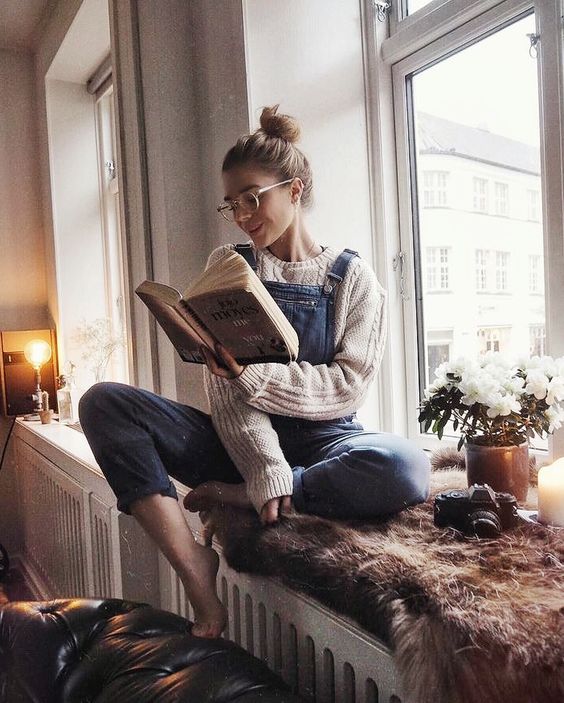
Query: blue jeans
(140, 439)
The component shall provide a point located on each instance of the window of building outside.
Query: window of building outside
(114, 262)
(481, 260)
(480, 199)
(533, 202)
(535, 274)
(437, 268)
(537, 340)
(501, 271)
(469, 107)
(493, 339)
(435, 189)
(501, 198)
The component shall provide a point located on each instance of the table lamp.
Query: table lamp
(37, 353)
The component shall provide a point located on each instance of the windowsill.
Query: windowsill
(56, 438)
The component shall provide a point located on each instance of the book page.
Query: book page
(239, 321)
(162, 301)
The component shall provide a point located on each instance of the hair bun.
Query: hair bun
(280, 126)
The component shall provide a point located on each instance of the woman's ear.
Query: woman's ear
(296, 190)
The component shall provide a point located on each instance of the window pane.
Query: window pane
(414, 5)
(477, 165)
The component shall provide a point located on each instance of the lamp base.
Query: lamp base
(32, 417)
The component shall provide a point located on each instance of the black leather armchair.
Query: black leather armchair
(116, 651)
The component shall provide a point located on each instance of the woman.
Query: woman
(279, 436)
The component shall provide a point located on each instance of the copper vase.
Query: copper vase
(505, 469)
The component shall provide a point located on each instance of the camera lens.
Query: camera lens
(483, 523)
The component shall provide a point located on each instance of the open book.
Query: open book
(229, 304)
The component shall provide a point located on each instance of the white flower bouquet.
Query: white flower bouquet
(495, 402)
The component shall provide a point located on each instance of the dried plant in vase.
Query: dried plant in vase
(97, 343)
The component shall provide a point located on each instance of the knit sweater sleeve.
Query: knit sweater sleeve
(328, 391)
(251, 442)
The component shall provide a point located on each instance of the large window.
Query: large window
(467, 89)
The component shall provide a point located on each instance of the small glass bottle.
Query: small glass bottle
(67, 400)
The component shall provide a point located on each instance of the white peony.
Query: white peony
(537, 383)
(555, 416)
(481, 388)
(555, 390)
(503, 405)
(514, 385)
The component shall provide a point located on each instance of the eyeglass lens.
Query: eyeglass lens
(246, 204)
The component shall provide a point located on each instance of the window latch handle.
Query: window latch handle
(398, 262)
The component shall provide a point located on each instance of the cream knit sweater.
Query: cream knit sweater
(240, 407)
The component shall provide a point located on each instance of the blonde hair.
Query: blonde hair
(271, 147)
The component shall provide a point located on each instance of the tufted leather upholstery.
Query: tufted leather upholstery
(116, 651)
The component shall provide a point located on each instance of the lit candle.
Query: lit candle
(551, 494)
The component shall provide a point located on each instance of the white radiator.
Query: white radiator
(71, 538)
(322, 656)
(69, 535)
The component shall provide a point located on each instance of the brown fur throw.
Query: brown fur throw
(469, 621)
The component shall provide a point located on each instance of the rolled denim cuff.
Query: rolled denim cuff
(125, 500)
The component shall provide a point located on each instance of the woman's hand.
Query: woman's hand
(276, 507)
(222, 363)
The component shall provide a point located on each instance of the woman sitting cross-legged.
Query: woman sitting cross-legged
(279, 436)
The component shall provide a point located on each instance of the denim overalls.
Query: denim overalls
(139, 439)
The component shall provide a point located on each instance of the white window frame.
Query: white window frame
(502, 264)
(481, 270)
(437, 263)
(501, 199)
(114, 254)
(430, 34)
(533, 203)
(480, 194)
(435, 188)
(535, 272)
(537, 332)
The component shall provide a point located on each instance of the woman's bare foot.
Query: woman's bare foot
(212, 493)
(210, 616)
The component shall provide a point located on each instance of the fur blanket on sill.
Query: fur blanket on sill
(469, 621)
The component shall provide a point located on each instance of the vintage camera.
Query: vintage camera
(477, 512)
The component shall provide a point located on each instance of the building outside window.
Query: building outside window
(435, 188)
(537, 339)
(481, 260)
(493, 339)
(535, 274)
(501, 199)
(502, 271)
(451, 118)
(480, 200)
(533, 205)
(437, 268)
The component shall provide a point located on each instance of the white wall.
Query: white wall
(307, 56)
(22, 275)
(193, 107)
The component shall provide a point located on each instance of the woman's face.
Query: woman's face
(276, 212)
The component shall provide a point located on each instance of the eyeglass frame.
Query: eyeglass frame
(234, 204)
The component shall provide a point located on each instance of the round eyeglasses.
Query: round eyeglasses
(247, 203)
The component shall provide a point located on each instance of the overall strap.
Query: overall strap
(338, 270)
(246, 251)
